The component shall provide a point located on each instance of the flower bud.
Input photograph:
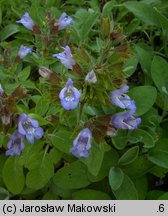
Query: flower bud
(91, 77)
(45, 72)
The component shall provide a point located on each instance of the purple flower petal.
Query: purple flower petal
(15, 144)
(64, 21)
(69, 96)
(78, 154)
(69, 105)
(82, 144)
(27, 21)
(23, 51)
(38, 133)
(21, 129)
(29, 127)
(120, 99)
(125, 120)
(30, 137)
(66, 58)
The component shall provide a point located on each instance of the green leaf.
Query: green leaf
(89, 194)
(159, 172)
(38, 177)
(116, 177)
(50, 196)
(62, 140)
(129, 156)
(159, 154)
(144, 97)
(141, 185)
(32, 155)
(8, 31)
(3, 158)
(0, 16)
(94, 161)
(138, 168)
(154, 194)
(61, 192)
(4, 194)
(28, 84)
(91, 110)
(130, 66)
(110, 159)
(73, 176)
(42, 105)
(159, 73)
(159, 158)
(127, 190)
(142, 136)
(40, 119)
(145, 58)
(163, 196)
(55, 155)
(108, 7)
(24, 74)
(13, 175)
(84, 28)
(143, 11)
(162, 19)
(120, 141)
(79, 2)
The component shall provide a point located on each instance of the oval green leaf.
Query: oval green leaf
(8, 31)
(129, 156)
(13, 175)
(127, 190)
(159, 73)
(159, 158)
(116, 177)
(143, 11)
(73, 176)
(144, 97)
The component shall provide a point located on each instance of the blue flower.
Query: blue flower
(69, 96)
(15, 144)
(23, 51)
(82, 144)
(125, 120)
(66, 58)
(118, 98)
(64, 21)
(27, 21)
(29, 128)
(91, 77)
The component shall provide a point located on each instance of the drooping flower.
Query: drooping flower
(69, 96)
(15, 144)
(64, 21)
(29, 128)
(91, 77)
(66, 57)
(122, 100)
(125, 120)
(27, 21)
(82, 144)
(23, 51)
